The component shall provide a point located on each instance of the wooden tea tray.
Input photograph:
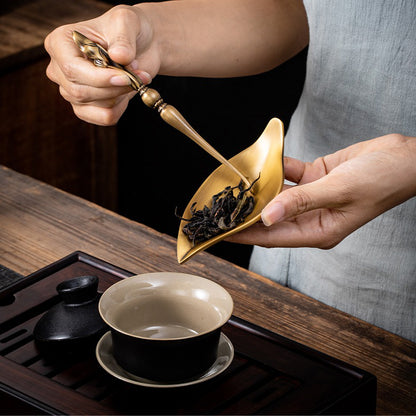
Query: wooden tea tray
(269, 374)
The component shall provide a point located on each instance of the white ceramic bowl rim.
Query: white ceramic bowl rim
(162, 280)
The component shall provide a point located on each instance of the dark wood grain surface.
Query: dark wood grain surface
(40, 224)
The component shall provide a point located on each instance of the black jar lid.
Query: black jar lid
(75, 322)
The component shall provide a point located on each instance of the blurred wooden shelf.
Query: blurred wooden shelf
(40, 135)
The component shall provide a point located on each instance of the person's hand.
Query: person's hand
(206, 38)
(336, 194)
(98, 95)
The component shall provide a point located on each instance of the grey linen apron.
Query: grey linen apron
(360, 84)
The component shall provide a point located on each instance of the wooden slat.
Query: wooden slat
(98, 387)
(77, 374)
(17, 334)
(255, 402)
(44, 390)
(233, 390)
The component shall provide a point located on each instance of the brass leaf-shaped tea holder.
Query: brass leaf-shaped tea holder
(264, 158)
(100, 58)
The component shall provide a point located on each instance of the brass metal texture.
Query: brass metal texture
(100, 58)
(264, 157)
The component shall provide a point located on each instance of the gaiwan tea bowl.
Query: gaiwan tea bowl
(165, 326)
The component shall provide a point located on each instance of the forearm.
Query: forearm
(225, 38)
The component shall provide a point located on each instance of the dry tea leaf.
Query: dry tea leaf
(225, 213)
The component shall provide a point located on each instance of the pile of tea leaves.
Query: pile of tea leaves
(226, 212)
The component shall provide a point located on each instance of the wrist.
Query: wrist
(402, 171)
(410, 149)
(160, 26)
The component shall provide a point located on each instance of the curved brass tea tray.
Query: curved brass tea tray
(264, 158)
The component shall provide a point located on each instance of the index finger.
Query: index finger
(72, 63)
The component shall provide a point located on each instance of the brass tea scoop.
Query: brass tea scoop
(99, 56)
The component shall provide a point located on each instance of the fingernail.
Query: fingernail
(134, 65)
(145, 77)
(273, 213)
(120, 80)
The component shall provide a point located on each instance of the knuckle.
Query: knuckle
(127, 16)
(79, 112)
(301, 200)
(47, 43)
(344, 194)
(391, 141)
(69, 71)
(63, 93)
(109, 117)
(122, 11)
(96, 115)
(50, 73)
(397, 139)
(78, 93)
(55, 35)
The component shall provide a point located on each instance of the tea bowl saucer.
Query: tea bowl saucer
(104, 354)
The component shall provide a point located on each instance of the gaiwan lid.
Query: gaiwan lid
(76, 319)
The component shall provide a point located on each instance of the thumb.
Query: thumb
(121, 36)
(299, 199)
(122, 49)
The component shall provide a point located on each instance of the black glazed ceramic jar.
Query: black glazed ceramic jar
(165, 326)
(73, 325)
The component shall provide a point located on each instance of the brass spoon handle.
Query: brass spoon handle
(99, 56)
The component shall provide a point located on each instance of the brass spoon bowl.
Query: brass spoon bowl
(264, 157)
